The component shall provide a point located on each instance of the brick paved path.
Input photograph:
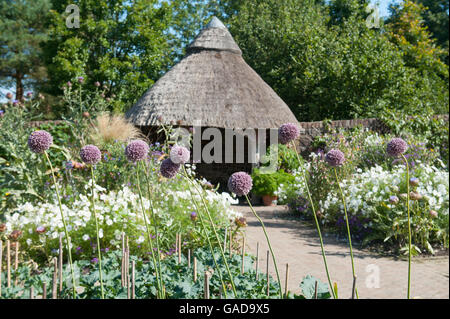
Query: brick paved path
(296, 242)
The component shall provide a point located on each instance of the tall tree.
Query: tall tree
(123, 44)
(22, 32)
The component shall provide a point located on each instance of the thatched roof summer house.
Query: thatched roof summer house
(212, 86)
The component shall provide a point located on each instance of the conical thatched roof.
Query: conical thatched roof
(211, 84)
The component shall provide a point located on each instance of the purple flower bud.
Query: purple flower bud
(335, 157)
(40, 229)
(240, 183)
(80, 79)
(9, 95)
(136, 150)
(69, 84)
(90, 154)
(94, 260)
(16, 102)
(413, 181)
(179, 154)
(288, 132)
(193, 216)
(393, 200)
(39, 141)
(415, 196)
(29, 94)
(97, 84)
(396, 147)
(169, 169)
(433, 213)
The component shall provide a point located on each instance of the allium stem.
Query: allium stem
(98, 237)
(317, 224)
(156, 228)
(409, 227)
(348, 227)
(209, 241)
(148, 234)
(270, 246)
(69, 253)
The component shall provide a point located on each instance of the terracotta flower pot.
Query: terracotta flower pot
(269, 200)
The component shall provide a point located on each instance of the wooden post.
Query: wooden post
(195, 269)
(133, 280)
(60, 264)
(8, 263)
(16, 260)
(354, 287)
(286, 283)
(189, 258)
(267, 274)
(55, 279)
(44, 290)
(315, 290)
(243, 255)
(206, 287)
(179, 248)
(1, 265)
(257, 260)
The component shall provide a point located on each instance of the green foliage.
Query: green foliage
(308, 286)
(21, 36)
(267, 183)
(178, 278)
(124, 45)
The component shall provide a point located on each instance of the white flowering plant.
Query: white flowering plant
(117, 212)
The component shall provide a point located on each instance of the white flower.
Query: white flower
(85, 237)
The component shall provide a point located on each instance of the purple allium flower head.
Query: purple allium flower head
(39, 141)
(16, 102)
(136, 150)
(90, 154)
(393, 200)
(433, 213)
(240, 183)
(168, 168)
(40, 229)
(94, 260)
(69, 84)
(288, 132)
(414, 181)
(2, 112)
(179, 154)
(396, 147)
(194, 216)
(335, 157)
(97, 84)
(29, 94)
(9, 95)
(80, 79)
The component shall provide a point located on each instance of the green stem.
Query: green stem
(317, 225)
(270, 246)
(409, 228)
(155, 225)
(98, 237)
(209, 241)
(74, 292)
(348, 227)
(148, 234)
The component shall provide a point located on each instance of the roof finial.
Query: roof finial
(215, 23)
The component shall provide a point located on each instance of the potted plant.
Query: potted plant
(266, 185)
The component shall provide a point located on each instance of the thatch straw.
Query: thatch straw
(214, 85)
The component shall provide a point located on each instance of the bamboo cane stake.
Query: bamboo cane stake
(60, 263)
(243, 255)
(127, 267)
(225, 239)
(257, 259)
(1, 265)
(16, 260)
(179, 249)
(231, 243)
(267, 273)
(44, 290)
(31, 292)
(195, 269)
(8, 263)
(286, 282)
(189, 258)
(133, 280)
(122, 276)
(55, 279)
(315, 290)
(206, 286)
(176, 243)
